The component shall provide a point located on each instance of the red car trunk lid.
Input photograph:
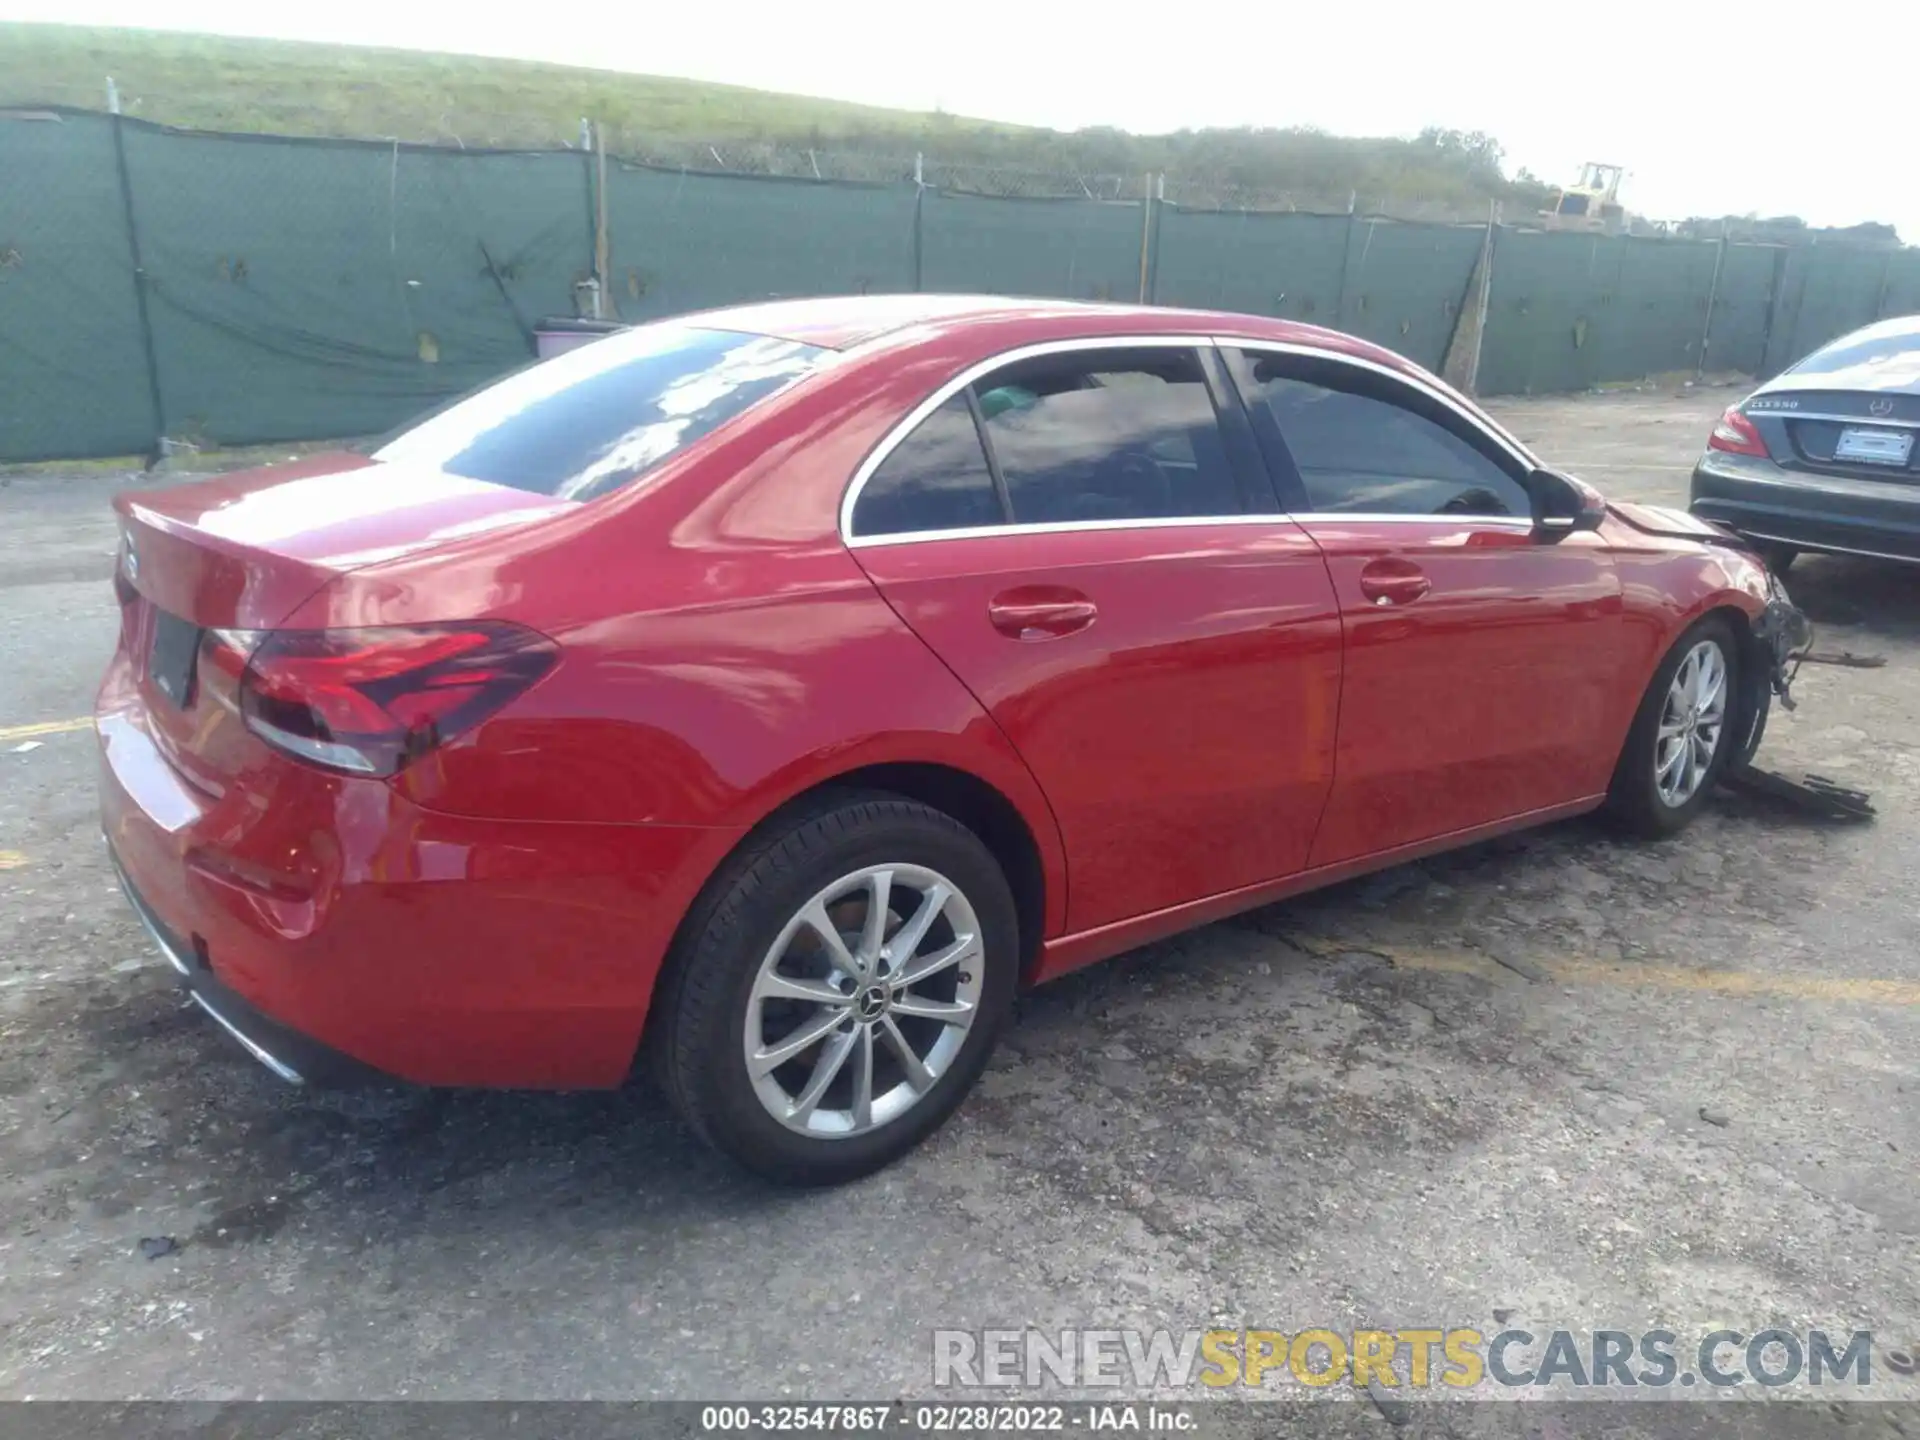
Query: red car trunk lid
(242, 552)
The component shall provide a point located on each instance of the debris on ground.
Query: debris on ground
(1713, 1115)
(153, 1247)
(1815, 794)
(1843, 657)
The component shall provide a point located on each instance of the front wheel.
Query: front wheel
(849, 975)
(1680, 740)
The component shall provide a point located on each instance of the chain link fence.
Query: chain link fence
(1014, 182)
(793, 162)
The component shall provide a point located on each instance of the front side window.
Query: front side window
(1107, 435)
(1361, 448)
(599, 417)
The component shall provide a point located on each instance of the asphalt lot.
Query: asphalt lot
(1556, 1081)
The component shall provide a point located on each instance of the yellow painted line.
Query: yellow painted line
(1735, 982)
(12, 859)
(45, 727)
(1631, 976)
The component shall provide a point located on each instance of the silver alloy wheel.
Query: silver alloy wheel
(863, 1001)
(1691, 723)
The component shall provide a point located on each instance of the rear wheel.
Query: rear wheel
(1680, 740)
(1777, 558)
(842, 991)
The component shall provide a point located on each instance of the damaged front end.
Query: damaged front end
(1782, 633)
(1778, 641)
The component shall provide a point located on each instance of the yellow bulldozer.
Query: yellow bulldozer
(1592, 204)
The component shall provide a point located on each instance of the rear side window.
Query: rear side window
(1361, 447)
(597, 418)
(1107, 435)
(935, 479)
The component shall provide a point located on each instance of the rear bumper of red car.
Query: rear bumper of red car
(337, 929)
(296, 1058)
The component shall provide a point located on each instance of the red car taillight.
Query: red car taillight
(1735, 433)
(369, 701)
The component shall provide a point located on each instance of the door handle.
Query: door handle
(1040, 612)
(1399, 584)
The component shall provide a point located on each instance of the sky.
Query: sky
(1713, 108)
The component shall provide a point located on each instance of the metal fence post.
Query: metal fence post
(600, 241)
(1159, 209)
(139, 289)
(1482, 298)
(1346, 258)
(1775, 286)
(587, 195)
(1146, 230)
(1713, 294)
(919, 206)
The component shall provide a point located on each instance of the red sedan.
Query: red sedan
(775, 692)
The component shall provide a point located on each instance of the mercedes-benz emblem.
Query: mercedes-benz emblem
(1880, 405)
(871, 1003)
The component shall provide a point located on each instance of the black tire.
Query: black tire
(1633, 799)
(701, 1008)
(1776, 557)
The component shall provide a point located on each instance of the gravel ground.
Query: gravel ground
(1555, 1081)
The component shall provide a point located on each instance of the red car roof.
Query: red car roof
(842, 321)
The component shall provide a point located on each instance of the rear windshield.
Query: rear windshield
(598, 417)
(1875, 345)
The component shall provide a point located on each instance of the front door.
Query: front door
(1482, 659)
(1166, 662)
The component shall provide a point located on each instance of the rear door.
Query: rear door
(1073, 532)
(1482, 661)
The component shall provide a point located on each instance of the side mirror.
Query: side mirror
(1562, 504)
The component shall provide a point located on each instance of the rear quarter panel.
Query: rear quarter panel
(694, 690)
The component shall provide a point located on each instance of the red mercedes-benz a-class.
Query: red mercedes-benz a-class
(774, 692)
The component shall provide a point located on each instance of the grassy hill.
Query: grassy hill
(221, 83)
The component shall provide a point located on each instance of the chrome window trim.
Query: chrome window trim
(1062, 527)
(1518, 523)
(891, 441)
(1484, 425)
(1398, 517)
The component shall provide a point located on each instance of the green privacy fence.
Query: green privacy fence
(1075, 249)
(237, 289)
(330, 289)
(73, 375)
(1400, 285)
(1567, 311)
(684, 241)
